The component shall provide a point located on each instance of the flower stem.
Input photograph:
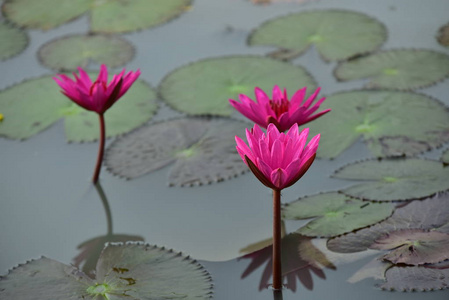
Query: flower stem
(100, 149)
(277, 272)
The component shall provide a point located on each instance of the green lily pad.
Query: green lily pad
(33, 105)
(335, 214)
(202, 150)
(204, 87)
(395, 179)
(397, 69)
(443, 36)
(105, 16)
(336, 34)
(386, 120)
(430, 214)
(44, 14)
(414, 246)
(125, 16)
(70, 52)
(17, 40)
(445, 157)
(131, 271)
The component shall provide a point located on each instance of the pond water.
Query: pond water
(49, 206)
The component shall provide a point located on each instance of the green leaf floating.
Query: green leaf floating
(386, 120)
(395, 179)
(202, 150)
(17, 40)
(397, 69)
(204, 87)
(427, 215)
(33, 105)
(335, 214)
(70, 52)
(112, 16)
(131, 271)
(336, 34)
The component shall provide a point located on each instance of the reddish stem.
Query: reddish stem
(277, 272)
(100, 149)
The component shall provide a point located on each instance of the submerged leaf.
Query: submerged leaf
(17, 40)
(226, 78)
(386, 120)
(336, 34)
(335, 214)
(134, 271)
(203, 151)
(395, 179)
(68, 53)
(374, 269)
(397, 69)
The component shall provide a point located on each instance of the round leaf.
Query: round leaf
(17, 40)
(203, 151)
(68, 53)
(397, 69)
(386, 120)
(395, 179)
(336, 34)
(185, 89)
(124, 16)
(44, 14)
(335, 214)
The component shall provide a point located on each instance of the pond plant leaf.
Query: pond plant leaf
(443, 36)
(417, 278)
(227, 77)
(336, 34)
(404, 69)
(69, 52)
(131, 271)
(430, 214)
(394, 179)
(335, 214)
(414, 246)
(386, 121)
(17, 40)
(445, 157)
(104, 16)
(33, 105)
(376, 269)
(202, 150)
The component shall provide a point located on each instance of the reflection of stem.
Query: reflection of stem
(107, 209)
(277, 272)
(277, 295)
(100, 149)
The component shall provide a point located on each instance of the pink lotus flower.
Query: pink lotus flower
(278, 159)
(98, 96)
(279, 110)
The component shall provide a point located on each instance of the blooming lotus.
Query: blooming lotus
(97, 96)
(279, 110)
(278, 159)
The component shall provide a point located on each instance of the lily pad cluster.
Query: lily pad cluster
(105, 16)
(131, 271)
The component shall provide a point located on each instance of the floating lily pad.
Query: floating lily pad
(68, 53)
(430, 214)
(397, 69)
(335, 214)
(134, 271)
(443, 36)
(14, 40)
(336, 34)
(414, 246)
(105, 16)
(386, 120)
(44, 14)
(204, 87)
(445, 156)
(417, 278)
(33, 105)
(202, 150)
(395, 179)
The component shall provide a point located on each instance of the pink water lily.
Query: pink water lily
(99, 95)
(279, 110)
(278, 159)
